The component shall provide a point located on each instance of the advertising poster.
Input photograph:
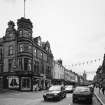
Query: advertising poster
(13, 82)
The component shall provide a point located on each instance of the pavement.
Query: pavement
(9, 97)
(100, 96)
(7, 91)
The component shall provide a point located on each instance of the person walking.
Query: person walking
(103, 90)
(99, 88)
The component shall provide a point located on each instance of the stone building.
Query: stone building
(25, 61)
(58, 72)
(61, 75)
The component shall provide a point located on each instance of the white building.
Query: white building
(58, 72)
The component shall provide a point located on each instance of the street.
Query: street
(36, 98)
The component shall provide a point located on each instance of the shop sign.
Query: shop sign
(13, 81)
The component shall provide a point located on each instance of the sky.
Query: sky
(74, 28)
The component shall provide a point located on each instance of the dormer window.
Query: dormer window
(47, 48)
(20, 32)
(39, 42)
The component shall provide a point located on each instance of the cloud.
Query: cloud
(9, 1)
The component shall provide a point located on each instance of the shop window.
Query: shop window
(13, 82)
(10, 52)
(26, 82)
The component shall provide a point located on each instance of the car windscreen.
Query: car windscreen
(81, 89)
(55, 88)
(68, 87)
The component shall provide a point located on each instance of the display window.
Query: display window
(13, 82)
(25, 83)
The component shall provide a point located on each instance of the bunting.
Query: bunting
(86, 63)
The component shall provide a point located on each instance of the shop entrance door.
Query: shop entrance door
(25, 83)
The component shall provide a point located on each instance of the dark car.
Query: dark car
(82, 93)
(69, 88)
(55, 92)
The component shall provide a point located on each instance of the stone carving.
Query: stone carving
(10, 31)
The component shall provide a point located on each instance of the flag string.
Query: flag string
(87, 62)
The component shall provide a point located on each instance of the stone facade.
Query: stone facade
(26, 62)
(58, 72)
(61, 75)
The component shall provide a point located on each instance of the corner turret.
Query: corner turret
(24, 27)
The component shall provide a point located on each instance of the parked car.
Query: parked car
(82, 93)
(69, 88)
(55, 92)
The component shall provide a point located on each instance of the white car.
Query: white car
(69, 88)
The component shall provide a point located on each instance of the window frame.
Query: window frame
(10, 50)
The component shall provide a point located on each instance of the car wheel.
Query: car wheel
(65, 96)
(59, 98)
(74, 100)
(90, 101)
(45, 99)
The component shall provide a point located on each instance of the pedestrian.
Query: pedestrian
(103, 89)
(99, 88)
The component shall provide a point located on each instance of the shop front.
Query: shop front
(36, 83)
(47, 83)
(13, 82)
(25, 84)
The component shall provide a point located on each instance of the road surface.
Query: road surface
(36, 98)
